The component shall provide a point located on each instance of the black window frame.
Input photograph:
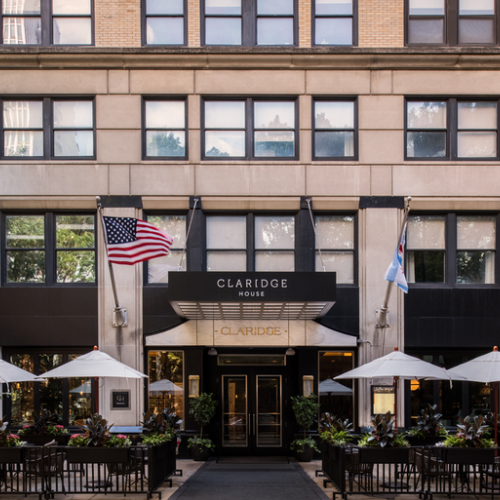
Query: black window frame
(451, 22)
(250, 128)
(355, 130)
(249, 18)
(144, 25)
(451, 250)
(47, 25)
(50, 247)
(353, 16)
(49, 128)
(144, 131)
(451, 128)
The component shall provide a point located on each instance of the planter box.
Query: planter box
(97, 454)
(41, 440)
(384, 455)
(162, 463)
(428, 441)
(11, 455)
(469, 455)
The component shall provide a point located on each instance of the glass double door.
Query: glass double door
(252, 414)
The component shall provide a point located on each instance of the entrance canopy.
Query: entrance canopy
(252, 296)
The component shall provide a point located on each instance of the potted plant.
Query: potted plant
(429, 429)
(202, 409)
(305, 409)
(10, 446)
(96, 444)
(46, 427)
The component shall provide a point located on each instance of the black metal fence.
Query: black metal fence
(49, 470)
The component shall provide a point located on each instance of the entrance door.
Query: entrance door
(252, 414)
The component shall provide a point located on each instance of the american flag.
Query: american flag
(134, 240)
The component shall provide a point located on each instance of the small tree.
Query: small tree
(202, 409)
(306, 410)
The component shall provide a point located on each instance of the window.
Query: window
(250, 129)
(49, 248)
(335, 241)
(452, 129)
(164, 22)
(47, 22)
(249, 22)
(158, 268)
(452, 22)
(164, 129)
(250, 242)
(334, 22)
(335, 130)
(48, 128)
(469, 261)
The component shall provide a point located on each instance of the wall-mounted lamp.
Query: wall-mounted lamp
(212, 351)
(307, 385)
(194, 386)
(290, 352)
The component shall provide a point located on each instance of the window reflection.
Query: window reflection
(23, 393)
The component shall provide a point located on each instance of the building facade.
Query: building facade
(274, 141)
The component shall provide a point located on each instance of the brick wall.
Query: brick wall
(194, 35)
(381, 23)
(305, 8)
(117, 23)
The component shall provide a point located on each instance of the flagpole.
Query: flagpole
(119, 313)
(383, 312)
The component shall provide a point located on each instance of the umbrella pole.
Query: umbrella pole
(495, 388)
(395, 385)
(96, 394)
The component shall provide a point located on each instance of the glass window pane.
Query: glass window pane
(72, 31)
(227, 7)
(274, 114)
(334, 231)
(159, 268)
(71, 7)
(274, 31)
(477, 7)
(333, 115)
(226, 231)
(275, 261)
(25, 231)
(341, 263)
(426, 144)
(334, 144)
(23, 393)
(22, 31)
(21, 7)
(274, 144)
(276, 7)
(475, 267)
(480, 115)
(426, 31)
(426, 114)
(331, 31)
(22, 114)
(333, 7)
(226, 261)
(426, 7)
(73, 143)
(165, 31)
(164, 6)
(425, 266)
(51, 397)
(165, 114)
(76, 266)
(23, 143)
(476, 232)
(73, 114)
(476, 31)
(224, 114)
(172, 143)
(477, 144)
(425, 232)
(225, 144)
(222, 31)
(26, 266)
(80, 396)
(166, 382)
(274, 232)
(175, 225)
(75, 231)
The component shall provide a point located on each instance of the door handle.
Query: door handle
(254, 424)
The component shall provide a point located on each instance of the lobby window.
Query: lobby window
(470, 260)
(158, 269)
(48, 129)
(456, 129)
(250, 129)
(335, 129)
(49, 248)
(164, 129)
(250, 242)
(164, 22)
(452, 22)
(335, 241)
(249, 22)
(334, 22)
(47, 22)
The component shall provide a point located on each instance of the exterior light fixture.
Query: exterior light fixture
(307, 385)
(212, 351)
(290, 352)
(194, 386)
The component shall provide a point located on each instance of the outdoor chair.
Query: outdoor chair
(355, 469)
(430, 469)
(491, 472)
(130, 472)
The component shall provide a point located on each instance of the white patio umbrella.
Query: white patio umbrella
(164, 385)
(12, 373)
(397, 365)
(332, 388)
